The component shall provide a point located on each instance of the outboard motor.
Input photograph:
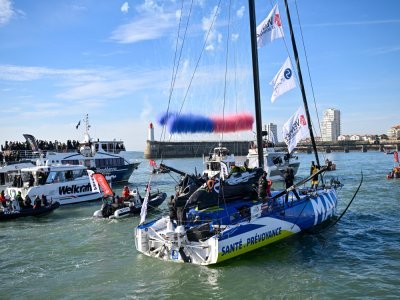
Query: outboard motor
(106, 210)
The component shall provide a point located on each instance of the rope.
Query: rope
(347, 207)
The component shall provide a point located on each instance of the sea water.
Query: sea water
(70, 255)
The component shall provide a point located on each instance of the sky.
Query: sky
(114, 60)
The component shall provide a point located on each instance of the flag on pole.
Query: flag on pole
(283, 80)
(152, 163)
(295, 129)
(77, 125)
(93, 182)
(270, 29)
(396, 156)
(224, 171)
(143, 211)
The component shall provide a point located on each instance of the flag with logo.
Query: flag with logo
(283, 80)
(143, 211)
(295, 129)
(93, 182)
(270, 29)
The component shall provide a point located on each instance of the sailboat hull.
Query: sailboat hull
(239, 231)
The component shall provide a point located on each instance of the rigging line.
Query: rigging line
(348, 205)
(226, 69)
(287, 50)
(173, 70)
(201, 54)
(179, 58)
(308, 67)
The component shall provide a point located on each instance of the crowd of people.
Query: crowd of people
(13, 151)
(19, 202)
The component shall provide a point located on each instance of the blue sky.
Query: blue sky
(114, 60)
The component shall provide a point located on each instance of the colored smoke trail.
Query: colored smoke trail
(191, 123)
(233, 123)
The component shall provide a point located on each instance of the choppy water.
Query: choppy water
(70, 255)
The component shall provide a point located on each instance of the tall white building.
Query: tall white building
(330, 125)
(272, 130)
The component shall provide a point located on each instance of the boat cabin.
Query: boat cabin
(212, 163)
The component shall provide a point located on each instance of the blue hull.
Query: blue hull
(119, 173)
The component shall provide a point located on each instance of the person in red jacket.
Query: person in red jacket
(125, 192)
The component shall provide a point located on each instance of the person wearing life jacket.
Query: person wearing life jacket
(262, 186)
(3, 199)
(313, 170)
(126, 192)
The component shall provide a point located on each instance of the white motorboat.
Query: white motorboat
(212, 163)
(66, 184)
(275, 162)
(106, 157)
(9, 172)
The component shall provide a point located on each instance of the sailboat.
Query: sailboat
(209, 234)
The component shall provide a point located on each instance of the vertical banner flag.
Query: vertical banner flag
(295, 129)
(224, 171)
(396, 156)
(77, 125)
(93, 182)
(283, 80)
(143, 211)
(102, 182)
(270, 29)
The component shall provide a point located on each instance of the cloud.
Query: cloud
(210, 32)
(355, 23)
(125, 7)
(383, 50)
(234, 37)
(240, 12)
(6, 11)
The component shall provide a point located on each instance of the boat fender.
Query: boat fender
(210, 184)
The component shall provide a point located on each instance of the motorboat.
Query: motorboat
(66, 184)
(212, 162)
(9, 172)
(106, 157)
(275, 162)
(9, 213)
(130, 206)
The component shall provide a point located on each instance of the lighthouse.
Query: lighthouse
(151, 132)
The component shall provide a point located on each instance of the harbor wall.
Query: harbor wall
(156, 149)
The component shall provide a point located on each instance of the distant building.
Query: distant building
(355, 137)
(394, 132)
(272, 130)
(343, 137)
(330, 125)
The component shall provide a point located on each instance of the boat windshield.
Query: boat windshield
(63, 176)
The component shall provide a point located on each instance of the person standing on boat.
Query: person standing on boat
(314, 181)
(38, 203)
(289, 181)
(125, 192)
(3, 199)
(262, 186)
(44, 200)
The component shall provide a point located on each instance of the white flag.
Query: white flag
(295, 129)
(143, 211)
(270, 29)
(93, 182)
(224, 171)
(283, 81)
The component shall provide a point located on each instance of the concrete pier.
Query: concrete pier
(155, 149)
